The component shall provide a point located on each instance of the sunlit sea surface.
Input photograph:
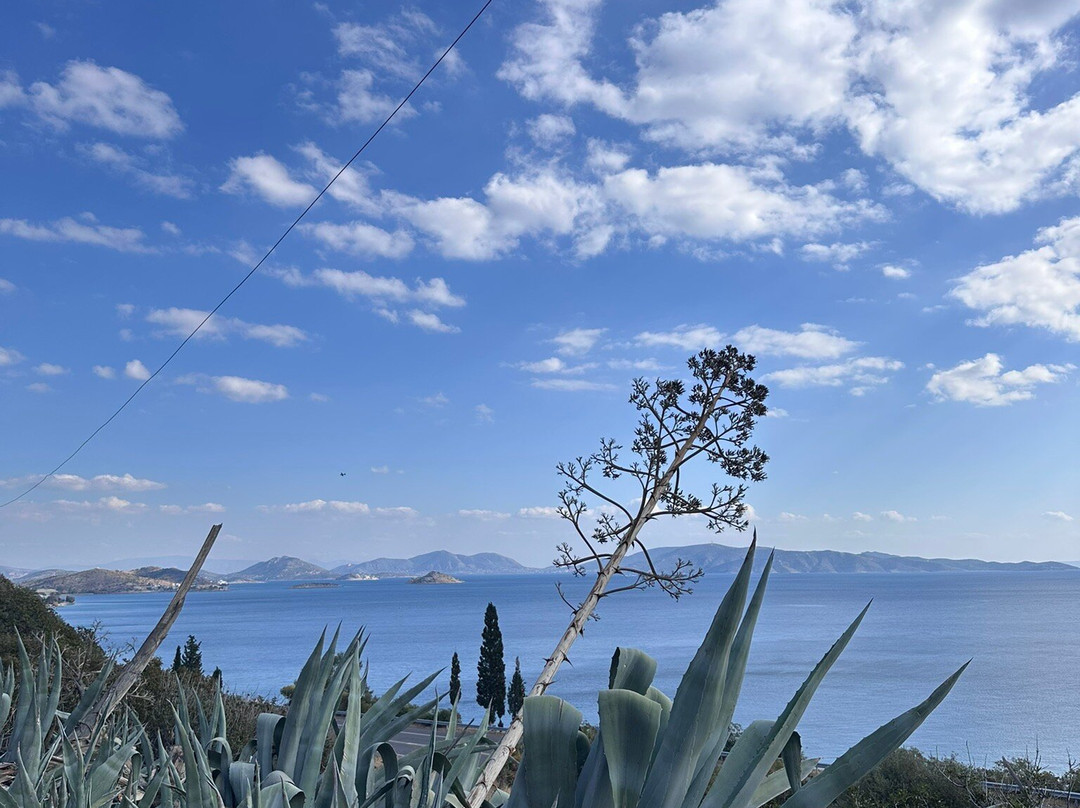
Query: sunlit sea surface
(1022, 630)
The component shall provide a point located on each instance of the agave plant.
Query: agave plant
(46, 763)
(654, 752)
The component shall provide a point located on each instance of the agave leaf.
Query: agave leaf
(50, 706)
(74, 772)
(467, 762)
(104, 779)
(280, 791)
(269, 728)
(25, 699)
(778, 782)
(242, 781)
(154, 783)
(792, 759)
(347, 746)
(301, 703)
(629, 723)
(549, 764)
(740, 652)
(89, 696)
(23, 788)
(319, 720)
(698, 700)
(631, 669)
(851, 766)
(735, 785)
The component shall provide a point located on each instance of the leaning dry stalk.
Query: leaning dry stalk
(108, 700)
(485, 784)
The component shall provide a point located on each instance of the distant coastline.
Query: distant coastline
(711, 558)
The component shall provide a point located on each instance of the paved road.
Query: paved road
(416, 736)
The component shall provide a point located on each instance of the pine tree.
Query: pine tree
(191, 658)
(177, 662)
(515, 698)
(455, 679)
(491, 670)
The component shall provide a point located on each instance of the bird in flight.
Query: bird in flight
(342, 473)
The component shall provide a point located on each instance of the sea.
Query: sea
(1021, 631)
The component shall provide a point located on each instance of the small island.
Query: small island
(315, 585)
(435, 578)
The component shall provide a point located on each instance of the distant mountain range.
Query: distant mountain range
(710, 557)
(722, 558)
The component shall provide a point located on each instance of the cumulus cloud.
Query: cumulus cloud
(129, 165)
(859, 516)
(430, 322)
(104, 372)
(552, 365)
(484, 414)
(361, 238)
(104, 504)
(9, 356)
(206, 507)
(82, 230)
(267, 178)
(577, 341)
(539, 512)
(136, 370)
(683, 337)
(809, 342)
(742, 77)
(49, 369)
(108, 98)
(860, 373)
(6, 287)
(1039, 288)
(895, 273)
(249, 391)
(896, 516)
(572, 385)
(351, 508)
(985, 382)
(482, 515)
(837, 253)
(1059, 516)
(548, 131)
(359, 101)
(178, 322)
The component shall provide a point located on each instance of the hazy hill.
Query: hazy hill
(280, 568)
(107, 582)
(438, 561)
(175, 575)
(721, 558)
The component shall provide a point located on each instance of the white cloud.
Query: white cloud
(112, 504)
(11, 92)
(730, 203)
(861, 372)
(380, 469)
(577, 341)
(108, 98)
(436, 401)
(74, 482)
(6, 287)
(380, 289)
(838, 253)
(552, 365)
(985, 383)
(269, 179)
(787, 516)
(896, 516)
(484, 413)
(358, 100)
(84, 230)
(810, 342)
(947, 94)
(895, 273)
(49, 369)
(206, 507)
(572, 385)
(539, 512)
(538, 202)
(9, 356)
(351, 508)
(859, 516)
(683, 337)
(136, 370)
(179, 322)
(1039, 288)
(127, 164)
(1059, 516)
(38, 387)
(104, 372)
(170, 228)
(360, 238)
(249, 391)
(482, 515)
(431, 322)
(548, 130)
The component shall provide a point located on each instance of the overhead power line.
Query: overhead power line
(262, 260)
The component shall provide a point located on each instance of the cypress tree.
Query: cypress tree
(455, 679)
(491, 670)
(177, 663)
(516, 697)
(191, 658)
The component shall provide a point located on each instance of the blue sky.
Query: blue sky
(878, 200)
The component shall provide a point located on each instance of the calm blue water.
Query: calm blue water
(1021, 693)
